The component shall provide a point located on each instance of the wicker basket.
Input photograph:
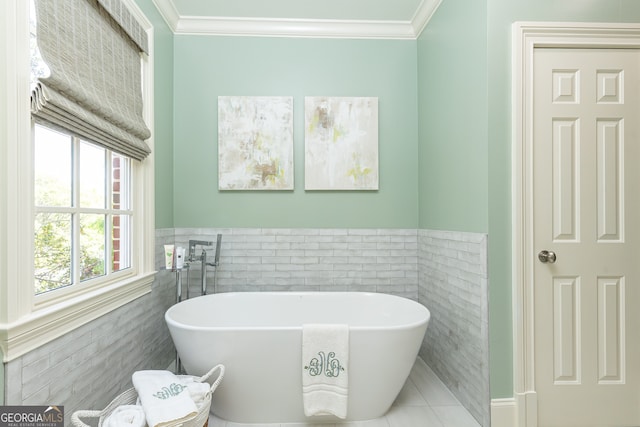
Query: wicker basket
(130, 397)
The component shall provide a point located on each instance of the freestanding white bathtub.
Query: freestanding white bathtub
(258, 337)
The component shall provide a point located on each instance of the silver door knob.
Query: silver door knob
(547, 256)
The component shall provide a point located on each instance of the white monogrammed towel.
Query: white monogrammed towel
(164, 398)
(325, 375)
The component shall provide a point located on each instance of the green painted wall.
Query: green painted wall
(206, 67)
(452, 83)
(163, 108)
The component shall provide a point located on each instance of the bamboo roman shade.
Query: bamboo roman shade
(92, 48)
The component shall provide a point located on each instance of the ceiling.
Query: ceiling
(389, 19)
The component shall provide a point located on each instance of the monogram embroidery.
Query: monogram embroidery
(168, 392)
(326, 365)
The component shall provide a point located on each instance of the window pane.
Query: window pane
(92, 176)
(52, 163)
(121, 173)
(120, 242)
(52, 251)
(92, 243)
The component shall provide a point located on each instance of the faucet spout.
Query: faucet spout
(192, 247)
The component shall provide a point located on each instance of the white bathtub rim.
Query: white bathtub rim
(404, 326)
(291, 328)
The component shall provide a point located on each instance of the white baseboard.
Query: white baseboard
(503, 412)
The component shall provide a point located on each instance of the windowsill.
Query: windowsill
(47, 324)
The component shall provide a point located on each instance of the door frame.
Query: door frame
(527, 36)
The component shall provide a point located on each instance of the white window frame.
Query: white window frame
(75, 209)
(25, 321)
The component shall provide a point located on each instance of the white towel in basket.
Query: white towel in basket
(325, 361)
(164, 397)
(197, 390)
(126, 416)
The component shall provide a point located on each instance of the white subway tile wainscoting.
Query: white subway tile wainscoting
(453, 285)
(424, 401)
(284, 259)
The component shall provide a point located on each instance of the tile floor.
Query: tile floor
(423, 402)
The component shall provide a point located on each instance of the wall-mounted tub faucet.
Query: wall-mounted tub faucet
(203, 258)
(203, 273)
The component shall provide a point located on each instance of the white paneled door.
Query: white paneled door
(586, 236)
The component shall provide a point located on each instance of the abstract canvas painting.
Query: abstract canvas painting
(341, 143)
(255, 143)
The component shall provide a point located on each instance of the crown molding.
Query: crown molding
(423, 15)
(169, 12)
(312, 28)
(294, 28)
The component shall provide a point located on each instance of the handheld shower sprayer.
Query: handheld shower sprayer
(218, 243)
